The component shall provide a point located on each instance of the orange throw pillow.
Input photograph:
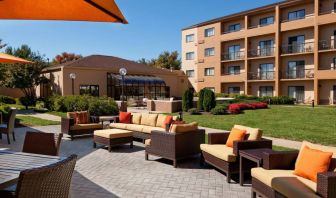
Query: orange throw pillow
(311, 162)
(168, 120)
(125, 117)
(82, 117)
(235, 135)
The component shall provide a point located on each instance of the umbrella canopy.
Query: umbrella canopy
(68, 10)
(6, 58)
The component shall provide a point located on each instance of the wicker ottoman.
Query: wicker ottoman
(112, 137)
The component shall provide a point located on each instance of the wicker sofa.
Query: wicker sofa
(142, 124)
(69, 126)
(182, 141)
(276, 178)
(225, 158)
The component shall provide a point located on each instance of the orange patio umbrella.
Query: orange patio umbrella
(68, 10)
(6, 58)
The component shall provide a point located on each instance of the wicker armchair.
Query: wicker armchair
(51, 181)
(9, 127)
(230, 167)
(42, 143)
(284, 185)
(175, 146)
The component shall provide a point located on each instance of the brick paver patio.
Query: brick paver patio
(125, 173)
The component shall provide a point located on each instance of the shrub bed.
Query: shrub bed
(237, 108)
(7, 100)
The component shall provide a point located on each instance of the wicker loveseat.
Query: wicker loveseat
(70, 126)
(182, 141)
(225, 158)
(277, 179)
(142, 124)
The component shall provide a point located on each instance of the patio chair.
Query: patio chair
(51, 181)
(277, 177)
(175, 145)
(8, 128)
(42, 143)
(225, 158)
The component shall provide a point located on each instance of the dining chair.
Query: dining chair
(8, 128)
(42, 143)
(52, 181)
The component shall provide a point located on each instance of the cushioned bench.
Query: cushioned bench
(112, 137)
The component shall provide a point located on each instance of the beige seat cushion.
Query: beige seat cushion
(113, 133)
(118, 125)
(149, 129)
(160, 120)
(321, 148)
(182, 128)
(254, 133)
(136, 118)
(149, 119)
(134, 127)
(220, 151)
(148, 142)
(267, 177)
(86, 126)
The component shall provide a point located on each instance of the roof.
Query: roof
(137, 79)
(254, 10)
(112, 63)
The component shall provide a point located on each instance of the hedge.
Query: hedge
(187, 100)
(7, 99)
(209, 100)
(237, 108)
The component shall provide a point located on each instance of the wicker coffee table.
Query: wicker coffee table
(112, 137)
(248, 156)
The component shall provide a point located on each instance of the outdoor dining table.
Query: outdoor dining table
(12, 163)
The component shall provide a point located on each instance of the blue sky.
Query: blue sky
(154, 26)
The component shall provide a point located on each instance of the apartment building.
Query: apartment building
(287, 48)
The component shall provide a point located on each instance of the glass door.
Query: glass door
(296, 69)
(296, 92)
(265, 48)
(296, 44)
(266, 71)
(334, 95)
(234, 52)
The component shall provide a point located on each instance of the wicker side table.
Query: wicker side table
(248, 156)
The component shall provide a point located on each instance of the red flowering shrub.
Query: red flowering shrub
(236, 108)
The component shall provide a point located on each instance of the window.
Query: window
(190, 56)
(296, 44)
(296, 92)
(234, 52)
(209, 71)
(234, 70)
(266, 71)
(210, 88)
(234, 27)
(266, 48)
(266, 21)
(190, 38)
(92, 90)
(209, 32)
(333, 65)
(299, 14)
(190, 73)
(209, 51)
(265, 91)
(234, 90)
(296, 69)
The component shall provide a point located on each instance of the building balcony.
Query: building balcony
(234, 56)
(265, 52)
(263, 75)
(298, 48)
(326, 72)
(298, 74)
(327, 11)
(327, 44)
(232, 77)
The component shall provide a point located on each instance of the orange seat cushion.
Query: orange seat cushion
(311, 162)
(82, 117)
(125, 117)
(168, 120)
(235, 135)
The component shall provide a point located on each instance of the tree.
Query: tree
(2, 45)
(25, 76)
(187, 100)
(209, 100)
(66, 57)
(167, 60)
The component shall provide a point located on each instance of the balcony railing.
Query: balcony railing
(327, 11)
(298, 74)
(262, 75)
(327, 44)
(231, 31)
(234, 56)
(269, 51)
(331, 67)
(231, 73)
(298, 48)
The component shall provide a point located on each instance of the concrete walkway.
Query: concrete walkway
(44, 116)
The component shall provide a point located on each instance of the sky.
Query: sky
(154, 26)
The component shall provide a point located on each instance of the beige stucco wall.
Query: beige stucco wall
(326, 92)
(190, 47)
(308, 88)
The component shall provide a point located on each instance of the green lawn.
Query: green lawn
(32, 121)
(57, 113)
(290, 122)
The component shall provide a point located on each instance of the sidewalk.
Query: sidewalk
(44, 116)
